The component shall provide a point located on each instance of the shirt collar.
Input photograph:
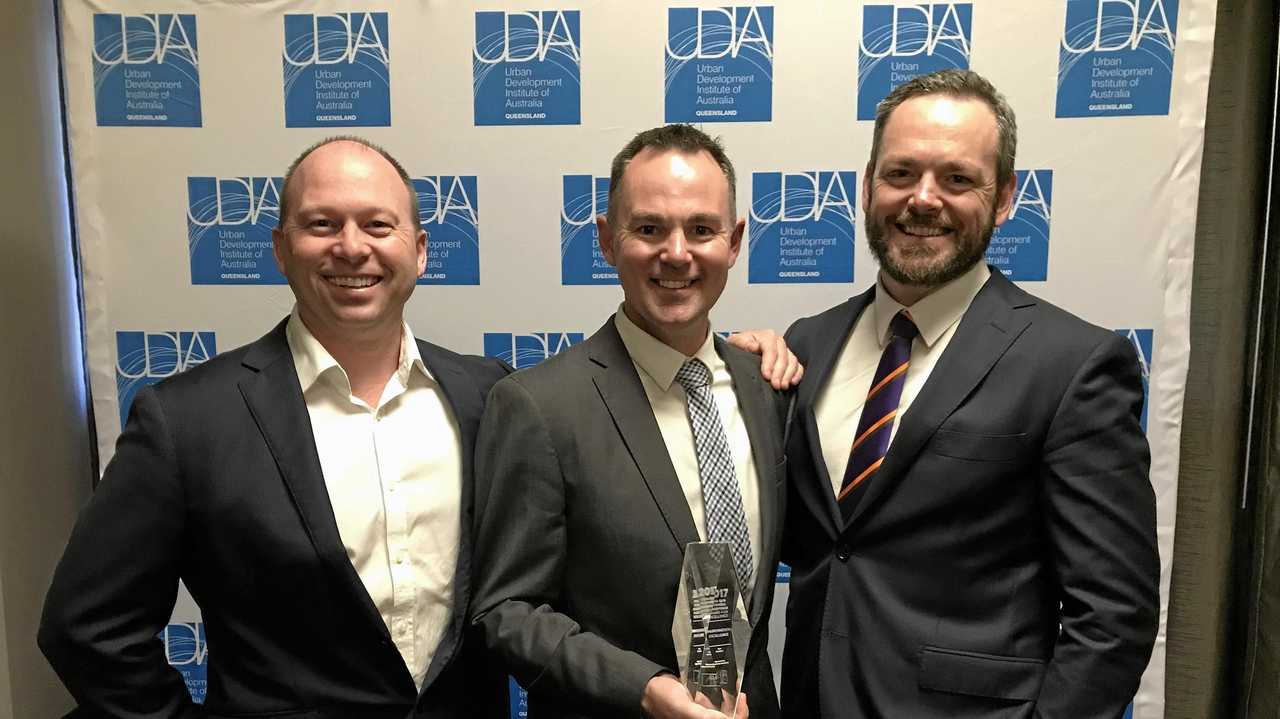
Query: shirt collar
(312, 361)
(935, 313)
(654, 357)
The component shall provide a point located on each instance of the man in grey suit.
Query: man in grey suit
(592, 478)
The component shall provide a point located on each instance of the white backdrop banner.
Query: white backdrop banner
(183, 116)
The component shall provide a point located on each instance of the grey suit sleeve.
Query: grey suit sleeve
(113, 590)
(1100, 517)
(520, 553)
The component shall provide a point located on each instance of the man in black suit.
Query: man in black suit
(971, 528)
(312, 489)
(592, 479)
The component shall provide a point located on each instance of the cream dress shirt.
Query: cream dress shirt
(394, 475)
(657, 364)
(839, 403)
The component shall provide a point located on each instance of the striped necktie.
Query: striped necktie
(871, 441)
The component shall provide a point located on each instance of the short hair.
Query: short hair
(404, 176)
(681, 138)
(959, 84)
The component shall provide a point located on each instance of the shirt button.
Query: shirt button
(843, 552)
(399, 560)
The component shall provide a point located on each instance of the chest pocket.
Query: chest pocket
(978, 447)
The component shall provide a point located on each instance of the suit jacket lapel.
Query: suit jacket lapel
(466, 404)
(986, 331)
(275, 400)
(753, 402)
(827, 345)
(620, 390)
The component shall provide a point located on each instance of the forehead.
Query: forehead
(347, 172)
(656, 175)
(941, 127)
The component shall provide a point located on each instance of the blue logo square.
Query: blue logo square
(144, 358)
(229, 223)
(449, 209)
(1020, 247)
(1142, 340)
(900, 42)
(337, 70)
(187, 651)
(146, 70)
(801, 227)
(1116, 58)
(527, 350)
(719, 64)
(527, 68)
(581, 262)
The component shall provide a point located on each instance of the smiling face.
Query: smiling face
(932, 200)
(348, 246)
(673, 242)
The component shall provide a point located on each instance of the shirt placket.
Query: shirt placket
(396, 501)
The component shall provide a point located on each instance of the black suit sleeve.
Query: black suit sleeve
(521, 549)
(113, 590)
(1100, 517)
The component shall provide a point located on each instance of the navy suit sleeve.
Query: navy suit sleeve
(521, 547)
(1100, 517)
(114, 589)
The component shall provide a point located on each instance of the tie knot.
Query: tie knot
(902, 326)
(693, 374)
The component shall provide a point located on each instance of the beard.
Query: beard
(921, 265)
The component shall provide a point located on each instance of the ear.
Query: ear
(1004, 199)
(277, 247)
(866, 187)
(605, 239)
(735, 239)
(421, 241)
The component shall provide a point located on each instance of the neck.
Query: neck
(368, 357)
(686, 341)
(905, 295)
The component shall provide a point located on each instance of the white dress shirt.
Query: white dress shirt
(840, 401)
(394, 475)
(657, 364)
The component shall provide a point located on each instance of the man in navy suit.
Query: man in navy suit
(311, 489)
(971, 528)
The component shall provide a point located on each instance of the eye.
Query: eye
(320, 223)
(647, 230)
(704, 231)
(958, 179)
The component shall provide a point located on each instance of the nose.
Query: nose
(924, 197)
(351, 244)
(675, 250)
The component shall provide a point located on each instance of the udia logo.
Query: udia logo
(187, 651)
(337, 69)
(1020, 247)
(900, 42)
(1116, 57)
(719, 64)
(146, 69)
(581, 262)
(527, 68)
(229, 223)
(448, 208)
(526, 350)
(801, 226)
(1142, 340)
(527, 36)
(144, 358)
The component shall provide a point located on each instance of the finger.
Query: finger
(741, 712)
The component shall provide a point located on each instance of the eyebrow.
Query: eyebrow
(654, 218)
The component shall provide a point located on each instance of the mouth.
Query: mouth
(921, 230)
(355, 282)
(671, 284)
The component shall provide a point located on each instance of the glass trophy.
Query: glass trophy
(710, 627)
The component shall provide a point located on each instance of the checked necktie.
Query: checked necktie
(726, 520)
(871, 441)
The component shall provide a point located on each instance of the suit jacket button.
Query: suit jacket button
(842, 552)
